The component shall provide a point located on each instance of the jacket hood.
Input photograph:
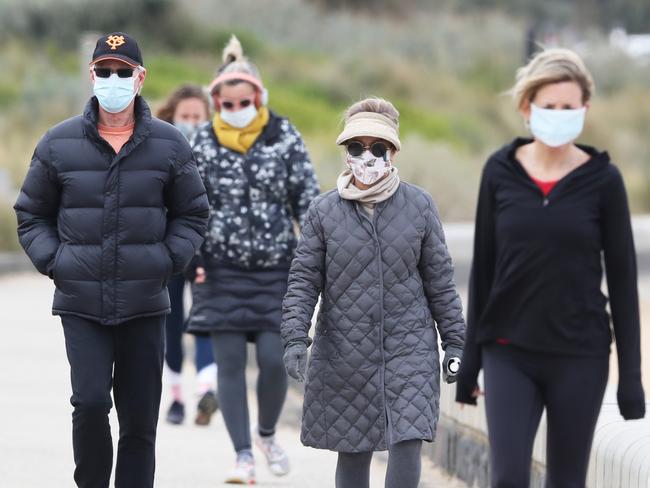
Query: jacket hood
(506, 155)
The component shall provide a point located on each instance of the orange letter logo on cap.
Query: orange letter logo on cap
(115, 41)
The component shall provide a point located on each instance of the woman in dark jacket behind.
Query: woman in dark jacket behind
(260, 183)
(187, 108)
(537, 322)
(374, 251)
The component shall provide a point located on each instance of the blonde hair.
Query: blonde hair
(234, 61)
(374, 105)
(551, 66)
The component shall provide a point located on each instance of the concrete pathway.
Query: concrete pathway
(35, 430)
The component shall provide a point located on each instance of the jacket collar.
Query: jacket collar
(506, 155)
(143, 120)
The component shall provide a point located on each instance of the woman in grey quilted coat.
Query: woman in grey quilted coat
(374, 251)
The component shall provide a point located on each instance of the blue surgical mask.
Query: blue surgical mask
(239, 118)
(114, 93)
(186, 128)
(556, 127)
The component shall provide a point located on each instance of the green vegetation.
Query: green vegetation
(444, 70)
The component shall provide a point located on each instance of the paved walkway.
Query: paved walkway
(35, 432)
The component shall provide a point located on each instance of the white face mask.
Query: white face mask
(556, 127)
(239, 118)
(114, 94)
(367, 168)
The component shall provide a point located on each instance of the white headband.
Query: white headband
(370, 124)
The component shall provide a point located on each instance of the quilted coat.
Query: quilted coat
(385, 281)
(111, 229)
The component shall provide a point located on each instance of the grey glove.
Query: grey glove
(295, 360)
(451, 365)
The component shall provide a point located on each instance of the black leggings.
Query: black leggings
(404, 466)
(230, 354)
(519, 384)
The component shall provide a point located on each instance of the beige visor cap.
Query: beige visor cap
(370, 124)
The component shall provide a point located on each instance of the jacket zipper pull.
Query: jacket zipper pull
(545, 202)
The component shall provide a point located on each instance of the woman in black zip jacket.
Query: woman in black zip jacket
(537, 320)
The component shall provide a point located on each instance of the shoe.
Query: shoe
(207, 406)
(276, 457)
(176, 413)
(244, 471)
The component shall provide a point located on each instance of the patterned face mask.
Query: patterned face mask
(367, 168)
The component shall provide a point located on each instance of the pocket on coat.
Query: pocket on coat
(321, 348)
(169, 264)
(55, 265)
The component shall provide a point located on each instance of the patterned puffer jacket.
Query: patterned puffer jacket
(255, 197)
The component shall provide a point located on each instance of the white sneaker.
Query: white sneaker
(243, 472)
(276, 457)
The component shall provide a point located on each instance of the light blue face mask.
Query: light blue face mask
(114, 93)
(556, 127)
(186, 128)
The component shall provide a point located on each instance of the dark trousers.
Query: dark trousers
(128, 359)
(175, 327)
(519, 384)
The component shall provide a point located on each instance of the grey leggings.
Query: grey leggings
(230, 355)
(404, 465)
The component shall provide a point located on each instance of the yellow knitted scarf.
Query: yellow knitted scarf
(240, 140)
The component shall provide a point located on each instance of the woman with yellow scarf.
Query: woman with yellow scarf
(260, 182)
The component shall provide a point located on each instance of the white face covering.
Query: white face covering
(556, 127)
(239, 118)
(367, 168)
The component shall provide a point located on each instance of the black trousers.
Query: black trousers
(519, 385)
(128, 359)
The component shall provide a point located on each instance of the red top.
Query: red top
(545, 186)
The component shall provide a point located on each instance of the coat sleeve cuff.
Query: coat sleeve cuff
(468, 375)
(632, 411)
(631, 399)
(464, 394)
(304, 340)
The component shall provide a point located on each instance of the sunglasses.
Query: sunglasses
(378, 149)
(229, 105)
(121, 72)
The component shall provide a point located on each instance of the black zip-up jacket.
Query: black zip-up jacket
(111, 229)
(536, 274)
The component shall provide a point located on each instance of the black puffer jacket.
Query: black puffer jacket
(111, 229)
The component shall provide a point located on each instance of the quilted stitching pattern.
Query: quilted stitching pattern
(373, 378)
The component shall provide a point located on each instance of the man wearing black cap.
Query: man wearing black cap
(111, 207)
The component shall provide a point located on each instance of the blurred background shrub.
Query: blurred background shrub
(444, 63)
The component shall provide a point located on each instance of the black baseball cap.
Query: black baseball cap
(118, 46)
